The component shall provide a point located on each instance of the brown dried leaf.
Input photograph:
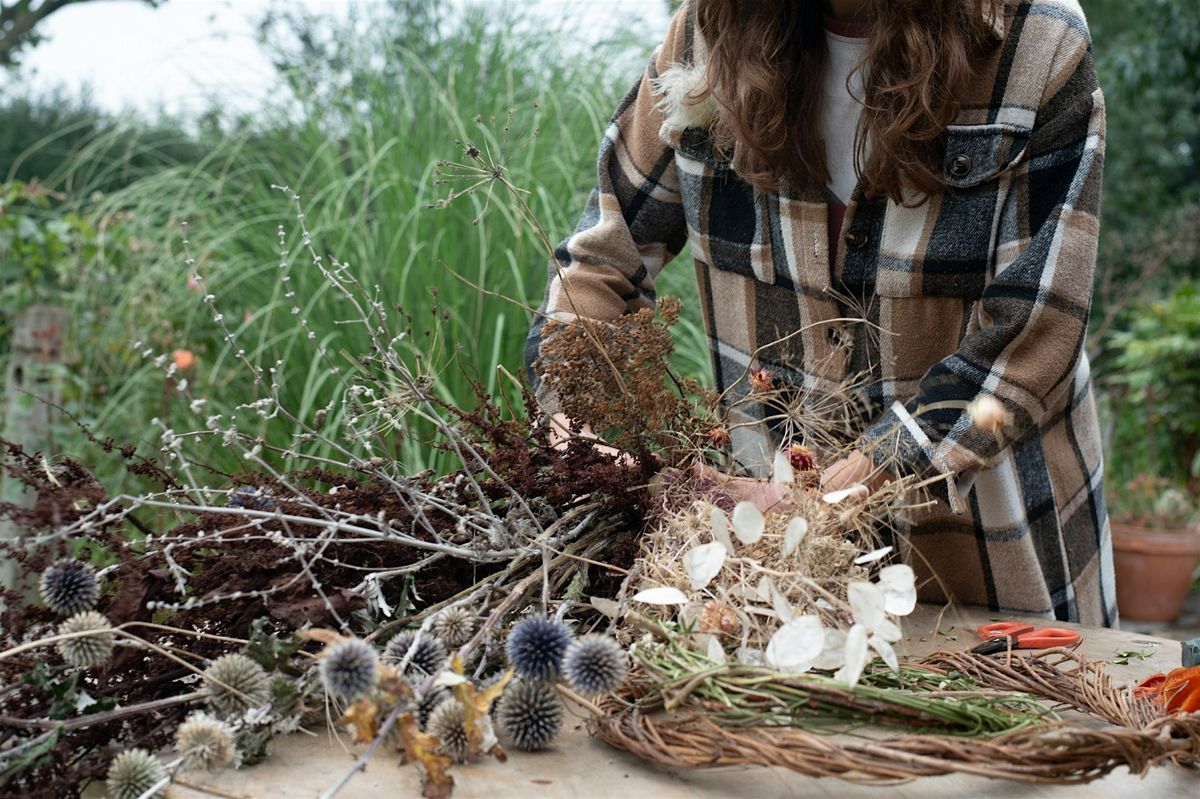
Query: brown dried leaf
(327, 637)
(363, 715)
(421, 748)
(478, 704)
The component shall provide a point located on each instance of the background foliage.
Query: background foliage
(368, 105)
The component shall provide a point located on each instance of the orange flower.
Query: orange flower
(184, 359)
(1178, 691)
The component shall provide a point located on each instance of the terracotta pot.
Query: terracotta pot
(1154, 570)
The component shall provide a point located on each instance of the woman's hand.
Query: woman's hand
(561, 435)
(854, 469)
(763, 493)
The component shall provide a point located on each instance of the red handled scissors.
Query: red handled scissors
(1005, 635)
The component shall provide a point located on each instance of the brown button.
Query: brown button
(960, 167)
(856, 238)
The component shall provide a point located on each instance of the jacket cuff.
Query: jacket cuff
(897, 439)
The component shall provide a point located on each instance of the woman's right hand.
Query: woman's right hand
(765, 494)
(561, 435)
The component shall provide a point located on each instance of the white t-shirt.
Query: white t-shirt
(841, 111)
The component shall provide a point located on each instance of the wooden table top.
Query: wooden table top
(303, 767)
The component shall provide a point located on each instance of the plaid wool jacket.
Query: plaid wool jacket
(981, 290)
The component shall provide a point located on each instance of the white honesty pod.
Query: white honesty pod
(857, 491)
(899, 589)
(871, 557)
(720, 528)
(781, 469)
(833, 654)
(703, 562)
(797, 528)
(856, 656)
(796, 644)
(662, 595)
(866, 603)
(748, 522)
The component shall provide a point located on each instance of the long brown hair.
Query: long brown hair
(765, 67)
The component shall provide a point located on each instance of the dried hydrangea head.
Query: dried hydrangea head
(135, 772)
(428, 658)
(69, 586)
(205, 742)
(536, 646)
(234, 683)
(448, 724)
(595, 664)
(454, 626)
(86, 651)
(349, 669)
(530, 714)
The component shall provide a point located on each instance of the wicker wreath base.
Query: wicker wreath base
(1119, 730)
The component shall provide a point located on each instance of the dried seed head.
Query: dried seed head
(802, 458)
(718, 617)
(762, 379)
(429, 703)
(530, 714)
(133, 773)
(349, 669)
(595, 664)
(250, 684)
(428, 658)
(988, 414)
(536, 647)
(88, 650)
(205, 742)
(69, 586)
(447, 724)
(454, 626)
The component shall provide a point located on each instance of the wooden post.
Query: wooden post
(32, 374)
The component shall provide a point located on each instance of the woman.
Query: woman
(932, 168)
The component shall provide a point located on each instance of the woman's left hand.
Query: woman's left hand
(854, 469)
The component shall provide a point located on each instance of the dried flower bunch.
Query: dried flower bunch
(627, 392)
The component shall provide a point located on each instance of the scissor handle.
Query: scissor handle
(1002, 628)
(1048, 638)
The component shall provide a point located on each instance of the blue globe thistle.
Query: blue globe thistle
(428, 703)
(595, 664)
(349, 669)
(251, 498)
(69, 586)
(530, 714)
(448, 724)
(86, 651)
(250, 684)
(536, 647)
(428, 658)
(134, 772)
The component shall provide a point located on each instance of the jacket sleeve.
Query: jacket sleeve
(633, 224)
(1033, 312)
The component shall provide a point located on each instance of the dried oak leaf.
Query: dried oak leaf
(478, 705)
(363, 715)
(421, 748)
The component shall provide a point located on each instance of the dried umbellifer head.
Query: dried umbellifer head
(86, 651)
(133, 773)
(234, 683)
(69, 586)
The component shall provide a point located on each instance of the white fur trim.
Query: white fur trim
(676, 87)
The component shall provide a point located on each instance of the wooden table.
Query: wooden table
(302, 767)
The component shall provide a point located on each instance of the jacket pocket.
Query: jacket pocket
(946, 247)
